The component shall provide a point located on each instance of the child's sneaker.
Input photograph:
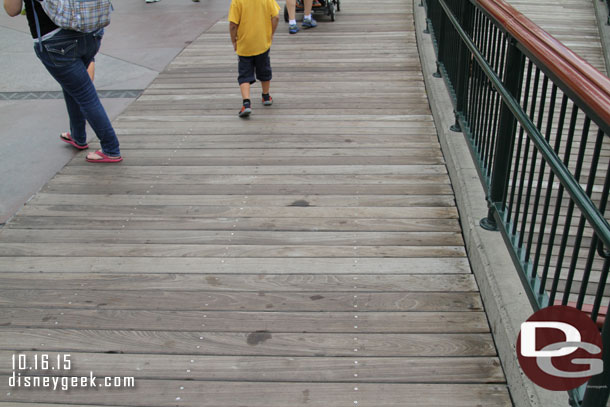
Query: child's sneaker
(293, 29)
(267, 100)
(309, 23)
(245, 109)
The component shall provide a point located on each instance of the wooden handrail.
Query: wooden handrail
(581, 78)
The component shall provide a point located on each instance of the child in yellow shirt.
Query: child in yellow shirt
(252, 24)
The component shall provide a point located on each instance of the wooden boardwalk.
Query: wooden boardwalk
(311, 255)
(572, 22)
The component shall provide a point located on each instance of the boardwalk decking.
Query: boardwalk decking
(572, 22)
(311, 255)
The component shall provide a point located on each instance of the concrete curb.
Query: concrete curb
(501, 289)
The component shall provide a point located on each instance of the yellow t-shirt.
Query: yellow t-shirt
(254, 20)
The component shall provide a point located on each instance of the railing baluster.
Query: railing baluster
(581, 225)
(547, 202)
(530, 236)
(568, 216)
(593, 247)
(525, 167)
(519, 156)
(473, 69)
(497, 104)
(461, 92)
(489, 94)
(539, 187)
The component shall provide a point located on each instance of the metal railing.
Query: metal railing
(537, 119)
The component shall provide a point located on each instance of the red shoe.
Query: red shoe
(103, 158)
(67, 138)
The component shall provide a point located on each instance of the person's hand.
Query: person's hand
(13, 7)
(235, 46)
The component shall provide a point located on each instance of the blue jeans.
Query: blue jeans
(66, 56)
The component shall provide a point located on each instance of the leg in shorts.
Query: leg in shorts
(258, 64)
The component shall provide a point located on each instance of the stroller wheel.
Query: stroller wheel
(285, 14)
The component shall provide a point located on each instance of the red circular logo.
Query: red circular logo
(559, 348)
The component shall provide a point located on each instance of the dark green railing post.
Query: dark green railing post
(427, 7)
(463, 70)
(507, 126)
(442, 44)
(598, 387)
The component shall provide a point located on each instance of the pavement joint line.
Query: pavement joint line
(103, 94)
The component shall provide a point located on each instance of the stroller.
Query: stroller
(325, 7)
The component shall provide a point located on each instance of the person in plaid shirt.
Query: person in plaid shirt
(66, 54)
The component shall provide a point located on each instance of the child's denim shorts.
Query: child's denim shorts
(261, 64)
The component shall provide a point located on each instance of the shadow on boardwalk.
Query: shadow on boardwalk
(309, 255)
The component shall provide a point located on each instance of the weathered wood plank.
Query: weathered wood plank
(249, 343)
(26, 404)
(292, 369)
(226, 265)
(245, 282)
(233, 321)
(239, 224)
(202, 237)
(130, 142)
(390, 171)
(188, 179)
(245, 189)
(283, 152)
(253, 250)
(199, 126)
(238, 301)
(223, 394)
(420, 200)
(205, 211)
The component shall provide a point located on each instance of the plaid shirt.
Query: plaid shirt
(79, 15)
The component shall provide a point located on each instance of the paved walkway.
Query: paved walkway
(310, 255)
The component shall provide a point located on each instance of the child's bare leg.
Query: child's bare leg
(267, 99)
(265, 85)
(245, 94)
(245, 90)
